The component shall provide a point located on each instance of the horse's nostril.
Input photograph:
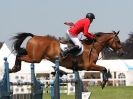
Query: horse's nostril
(121, 54)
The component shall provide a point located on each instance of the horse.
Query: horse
(48, 47)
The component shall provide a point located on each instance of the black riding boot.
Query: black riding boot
(72, 49)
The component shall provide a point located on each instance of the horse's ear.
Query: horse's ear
(114, 32)
(117, 32)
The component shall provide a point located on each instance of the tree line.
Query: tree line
(127, 46)
(1, 44)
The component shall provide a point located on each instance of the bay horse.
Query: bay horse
(48, 47)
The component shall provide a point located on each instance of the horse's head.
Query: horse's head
(115, 44)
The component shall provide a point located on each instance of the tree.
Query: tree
(127, 46)
(1, 44)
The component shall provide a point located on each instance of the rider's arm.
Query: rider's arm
(85, 32)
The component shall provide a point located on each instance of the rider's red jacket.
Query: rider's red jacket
(81, 25)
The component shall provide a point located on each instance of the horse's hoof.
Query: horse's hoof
(13, 70)
(10, 71)
(103, 84)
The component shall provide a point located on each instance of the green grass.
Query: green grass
(63, 96)
(112, 93)
(106, 93)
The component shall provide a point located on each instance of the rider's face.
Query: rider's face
(91, 20)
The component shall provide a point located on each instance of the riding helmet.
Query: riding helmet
(90, 16)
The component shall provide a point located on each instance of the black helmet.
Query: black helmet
(90, 16)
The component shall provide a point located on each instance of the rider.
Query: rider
(81, 25)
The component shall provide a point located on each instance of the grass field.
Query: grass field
(106, 93)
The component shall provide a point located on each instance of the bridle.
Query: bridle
(114, 41)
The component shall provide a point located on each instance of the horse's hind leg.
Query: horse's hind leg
(17, 66)
(28, 59)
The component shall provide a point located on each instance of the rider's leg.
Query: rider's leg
(76, 42)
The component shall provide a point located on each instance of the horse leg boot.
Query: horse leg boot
(74, 48)
(16, 67)
(105, 78)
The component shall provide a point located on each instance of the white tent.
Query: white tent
(124, 67)
(5, 52)
(117, 65)
(113, 65)
(128, 63)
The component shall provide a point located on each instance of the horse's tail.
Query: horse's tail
(19, 38)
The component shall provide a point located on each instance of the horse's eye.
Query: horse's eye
(118, 41)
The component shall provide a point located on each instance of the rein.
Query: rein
(92, 49)
(11, 53)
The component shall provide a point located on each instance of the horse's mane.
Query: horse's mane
(98, 34)
(52, 37)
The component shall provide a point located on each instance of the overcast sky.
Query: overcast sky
(43, 17)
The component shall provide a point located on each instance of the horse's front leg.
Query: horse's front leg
(105, 73)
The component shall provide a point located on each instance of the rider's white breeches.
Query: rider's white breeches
(75, 40)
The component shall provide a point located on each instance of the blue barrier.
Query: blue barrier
(4, 83)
